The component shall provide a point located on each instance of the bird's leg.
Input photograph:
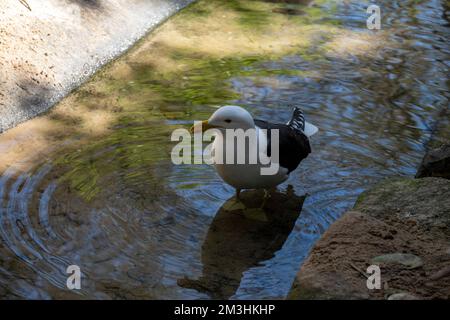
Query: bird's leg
(290, 190)
(258, 213)
(236, 203)
(265, 198)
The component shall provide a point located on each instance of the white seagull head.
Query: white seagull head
(231, 117)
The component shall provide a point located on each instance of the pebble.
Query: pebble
(403, 296)
(411, 261)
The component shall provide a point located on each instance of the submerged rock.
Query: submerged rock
(436, 163)
(403, 223)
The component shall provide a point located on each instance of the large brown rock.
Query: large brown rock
(425, 202)
(399, 218)
(436, 163)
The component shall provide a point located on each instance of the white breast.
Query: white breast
(246, 176)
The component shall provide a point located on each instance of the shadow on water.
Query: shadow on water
(239, 239)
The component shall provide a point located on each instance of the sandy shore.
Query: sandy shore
(52, 46)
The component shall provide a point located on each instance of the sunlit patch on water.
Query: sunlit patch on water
(140, 227)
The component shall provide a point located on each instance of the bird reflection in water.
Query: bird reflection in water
(239, 239)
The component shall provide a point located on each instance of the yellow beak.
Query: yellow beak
(203, 126)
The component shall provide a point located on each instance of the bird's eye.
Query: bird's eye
(227, 120)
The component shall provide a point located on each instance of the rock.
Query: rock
(403, 296)
(436, 163)
(403, 223)
(411, 261)
(326, 273)
(441, 274)
(423, 202)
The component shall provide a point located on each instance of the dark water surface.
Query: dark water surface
(141, 227)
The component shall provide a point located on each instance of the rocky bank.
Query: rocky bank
(402, 225)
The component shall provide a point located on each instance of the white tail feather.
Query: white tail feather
(310, 129)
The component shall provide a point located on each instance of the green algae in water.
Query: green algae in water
(150, 97)
(152, 100)
(206, 82)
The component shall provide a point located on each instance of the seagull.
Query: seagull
(293, 146)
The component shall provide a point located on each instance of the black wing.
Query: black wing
(294, 145)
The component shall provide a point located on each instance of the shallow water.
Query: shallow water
(141, 227)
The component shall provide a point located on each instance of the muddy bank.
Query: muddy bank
(403, 226)
(51, 46)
